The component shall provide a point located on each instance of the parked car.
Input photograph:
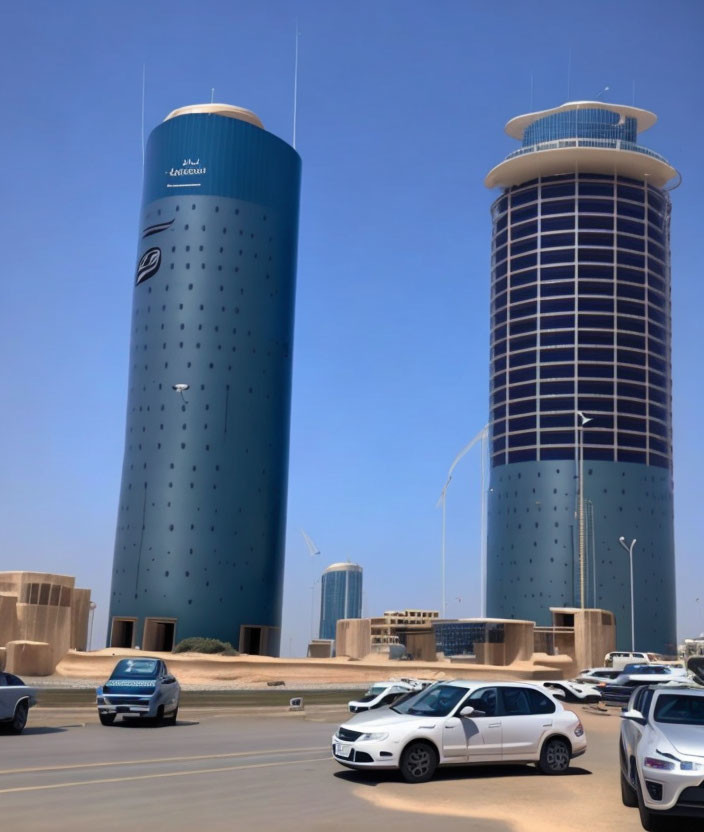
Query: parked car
(621, 688)
(463, 722)
(596, 675)
(662, 753)
(618, 659)
(572, 691)
(379, 695)
(139, 687)
(16, 699)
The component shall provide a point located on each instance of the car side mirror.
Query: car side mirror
(468, 710)
(557, 693)
(634, 716)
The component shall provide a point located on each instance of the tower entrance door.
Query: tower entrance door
(159, 634)
(122, 632)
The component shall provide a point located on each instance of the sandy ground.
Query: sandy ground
(233, 672)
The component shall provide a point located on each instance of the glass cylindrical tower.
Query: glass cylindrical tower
(201, 523)
(340, 596)
(580, 371)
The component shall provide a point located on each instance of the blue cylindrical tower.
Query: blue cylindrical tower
(340, 596)
(580, 374)
(202, 514)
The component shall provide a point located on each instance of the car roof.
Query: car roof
(687, 691)
(476, 683)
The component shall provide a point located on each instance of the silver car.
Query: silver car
(662, 754)
(16, 699)
(139, 687)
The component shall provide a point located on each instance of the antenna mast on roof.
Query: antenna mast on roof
(295, 88)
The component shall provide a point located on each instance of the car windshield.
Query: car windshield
(135, 669)
(437, 700)
(375, 690)
(679, 710)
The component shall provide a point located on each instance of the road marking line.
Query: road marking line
(162, 760)
(190, 772)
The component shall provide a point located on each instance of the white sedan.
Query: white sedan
(463, 722)
(16, 699)
(662, 754)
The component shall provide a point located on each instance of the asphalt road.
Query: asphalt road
(225, 770)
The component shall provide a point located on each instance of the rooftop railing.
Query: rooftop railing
(611, 144)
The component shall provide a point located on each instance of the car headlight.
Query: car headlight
(683, 765)
(656, 762)
(377, 737)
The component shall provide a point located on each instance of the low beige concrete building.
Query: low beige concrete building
(40, 608)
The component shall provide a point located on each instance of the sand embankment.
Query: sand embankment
(254, 671)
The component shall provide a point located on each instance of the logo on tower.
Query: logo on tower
(148, 265)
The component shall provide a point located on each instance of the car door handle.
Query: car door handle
(547, 724)
(494, 725)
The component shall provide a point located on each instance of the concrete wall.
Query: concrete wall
(594, 636)
(46, 624)
(420, 643)
(8, 617)
(80, 613)
(353, 637)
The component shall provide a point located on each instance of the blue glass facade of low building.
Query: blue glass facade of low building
(202, 510)
(340, 596)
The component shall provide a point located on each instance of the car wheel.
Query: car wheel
(159, 715)
(174, 716)
(555, 756)
(418, 762)
(106, 719)
(20, 718)
(628, 793)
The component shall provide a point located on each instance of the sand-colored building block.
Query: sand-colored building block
(29, 658)
(353, 637)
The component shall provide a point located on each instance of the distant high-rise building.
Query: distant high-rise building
(580, 359)
(340, 596)
(199, 545)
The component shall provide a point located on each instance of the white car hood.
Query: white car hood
(686, 739)
(381, 717)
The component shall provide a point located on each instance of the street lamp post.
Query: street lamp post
(580, 454)
(629, 549)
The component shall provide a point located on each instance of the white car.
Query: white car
(16, 699)
(662, 753)
(595, 675)
(463, 722)
(379, 695)
(618, 659)
(572, 691)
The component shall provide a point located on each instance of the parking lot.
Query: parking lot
(229, 769)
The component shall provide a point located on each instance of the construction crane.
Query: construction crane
(312, 548)
(483, 436)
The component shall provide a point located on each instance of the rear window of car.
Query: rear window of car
(679, 710)
(136, 669)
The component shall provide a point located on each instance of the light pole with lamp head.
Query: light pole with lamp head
(629, 549)
(584, 420)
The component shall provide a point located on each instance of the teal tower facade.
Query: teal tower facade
(581, 391)
(202, 512)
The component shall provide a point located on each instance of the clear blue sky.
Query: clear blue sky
(401, 113)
